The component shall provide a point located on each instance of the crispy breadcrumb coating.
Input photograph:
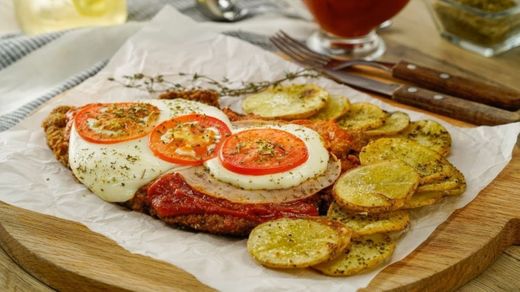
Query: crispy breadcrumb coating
(57, 133)
(205, 96)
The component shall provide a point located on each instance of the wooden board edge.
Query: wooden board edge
(50, 274)
(485, 257)
(114, 266)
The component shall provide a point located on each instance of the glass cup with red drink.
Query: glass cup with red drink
(348, 27)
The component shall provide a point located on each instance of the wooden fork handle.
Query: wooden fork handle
(465, 110)
(465, 88)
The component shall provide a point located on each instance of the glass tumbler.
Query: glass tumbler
(42, 16)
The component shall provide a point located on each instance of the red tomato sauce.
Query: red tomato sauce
(353, 18)
(171, 196)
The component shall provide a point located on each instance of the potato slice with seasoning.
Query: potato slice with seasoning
(394, 123)
(423, 199)
(297, 243)
(445, 185)
(362, 116)
(335, 107)
(429, 198)
(361, 224)
(286, 102)
(432, 193)
(455, 181)
(376, 188)
(365, 253)
(430, 165)
(429, 134)
(455, 192)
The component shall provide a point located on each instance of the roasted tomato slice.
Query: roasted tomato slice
(115, 122)
(188, 140)
(263, 151)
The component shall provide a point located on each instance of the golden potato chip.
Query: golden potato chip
(429, 134)
(361, 224)
(432, 193)
(362, 116)
(455, 192)
(430, 165)
(454, 181)
(394, 123)
(376, 188)
(429, 198)
(423, 199)
(437, 186)
(364, 254)
(286, 102)
(297, 243)
(344, 232)
(335, 107)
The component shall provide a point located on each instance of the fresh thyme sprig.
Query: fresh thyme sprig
(225, 87)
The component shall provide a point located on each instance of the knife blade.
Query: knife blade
(461, 109)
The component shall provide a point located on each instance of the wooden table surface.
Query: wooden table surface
(413, 37)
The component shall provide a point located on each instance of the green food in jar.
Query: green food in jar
(481, 29)
(489, 5)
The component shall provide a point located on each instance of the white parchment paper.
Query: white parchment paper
(31, 178)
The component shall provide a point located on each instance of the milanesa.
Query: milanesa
(183, 198)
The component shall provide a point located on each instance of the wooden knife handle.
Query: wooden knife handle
(471, 89)
(461, 109)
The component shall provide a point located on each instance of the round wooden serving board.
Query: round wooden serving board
(66, 255)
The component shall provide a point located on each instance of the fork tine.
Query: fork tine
(303, 48)
(301, 53)
(295, 48)
(288, 44)
(289, 51)
(281, 46)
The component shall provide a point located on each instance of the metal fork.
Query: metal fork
(302, 54)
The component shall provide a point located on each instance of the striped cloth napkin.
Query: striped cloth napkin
(17, 101)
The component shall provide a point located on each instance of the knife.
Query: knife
(461, 109)
(467, 88)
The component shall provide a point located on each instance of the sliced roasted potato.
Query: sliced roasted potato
(336, 106)
(430, 165)
(429, 134)
(454, 181)
(376, 188)
(286, 102)
(394, 123)
(437, 186)
(361, 224)
(297, 243)
(423, 199)
(365, 253)
(362, 116)
(431, 193)
(455, 192)
(432, 197)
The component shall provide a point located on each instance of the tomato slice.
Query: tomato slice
(263, 151)
(188, 140)
(115, 122)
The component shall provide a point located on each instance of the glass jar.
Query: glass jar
(41, 16)
(488, 27)
(348, 27)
